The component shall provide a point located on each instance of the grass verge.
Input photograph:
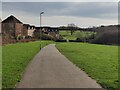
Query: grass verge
(99, 61)
(15, 58)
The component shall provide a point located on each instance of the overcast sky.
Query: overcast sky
(83, 14)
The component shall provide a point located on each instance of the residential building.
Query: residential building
(12, 27)
(25, 29)
(31, 30)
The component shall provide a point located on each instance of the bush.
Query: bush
(44, 36)
(85, 36)
(7, 40)
(80, 40)
(56, 36)
(26, 40)
(47, 37)
(107, 37)
(61, 40)
(28, 37)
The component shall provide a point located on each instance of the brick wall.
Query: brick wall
(25, 30)
(8, 29)
(18, 29)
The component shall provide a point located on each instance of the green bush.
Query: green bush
(107, 37)
(85, 36)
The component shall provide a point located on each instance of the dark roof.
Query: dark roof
(37, 28)
(26, 25)
(42, 27)
(32, 26)
(11, 19)
(54, 27)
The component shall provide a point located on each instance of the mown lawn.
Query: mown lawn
(99, 61)
(76, 34)
(15, 58)
(67, 35)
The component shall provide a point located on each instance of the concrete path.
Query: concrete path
(50, 69)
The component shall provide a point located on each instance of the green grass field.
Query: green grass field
(76, 34)
(99, 61)
(67, 35)
(15, 58)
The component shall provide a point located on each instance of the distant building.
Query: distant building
(12, 27)
(31, 29)
(48, 29)
(54, 29)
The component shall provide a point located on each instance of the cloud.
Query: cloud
(79, 21)
(0, 9)
(83, 14)
(60, 0)
(79, 9)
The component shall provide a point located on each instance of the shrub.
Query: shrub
(85, 36)
(7, 40)
(47, 37)
(55, 36)
(107, 37)
(44, 36)
(61, 40)
(80, 40)
(28, 37)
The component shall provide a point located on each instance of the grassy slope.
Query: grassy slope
(99, 61)
(15, 59)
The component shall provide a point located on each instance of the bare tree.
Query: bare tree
(72, 28)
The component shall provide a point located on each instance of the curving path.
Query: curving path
(50, 69)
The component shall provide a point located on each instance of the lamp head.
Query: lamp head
(42, 13)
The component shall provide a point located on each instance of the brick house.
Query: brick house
(25, 29)
(12, 27)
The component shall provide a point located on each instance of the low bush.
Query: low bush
(47, 37)
(51, 36)
(12, 41)
(8, 41)
(80, 40)
(61, 40)
(74, 41)
(28, 37)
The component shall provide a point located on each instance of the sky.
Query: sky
(82, 14)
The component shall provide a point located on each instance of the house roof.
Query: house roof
(11, 19)
(32, 26)
(26, 25)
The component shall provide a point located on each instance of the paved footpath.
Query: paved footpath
(50, 69)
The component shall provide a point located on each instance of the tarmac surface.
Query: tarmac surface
(50, 69)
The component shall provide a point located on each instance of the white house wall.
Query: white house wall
(30, 32)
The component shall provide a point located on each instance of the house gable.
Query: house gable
(11, 19)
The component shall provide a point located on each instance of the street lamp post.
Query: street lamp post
(41, 29)
(46, 38)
